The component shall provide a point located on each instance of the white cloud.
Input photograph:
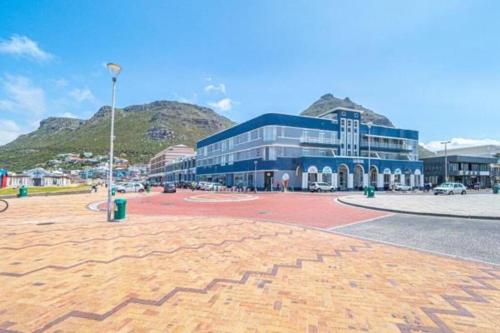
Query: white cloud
(69, 115)
(224, 104)
(61, 83)
(9, 131)
(81, 95)
(459, 143)
(216, 87)
(22, 96)
(23, 46)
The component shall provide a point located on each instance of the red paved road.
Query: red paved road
(317, 210)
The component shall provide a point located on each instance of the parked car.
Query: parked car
(450, 189)
(402, 187)
(169, 187)
(202, 186)
(320, 187)
(129, 187)
(213, 187)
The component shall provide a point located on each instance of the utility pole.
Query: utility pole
(369, 124)
(114, 70)
(445, 143)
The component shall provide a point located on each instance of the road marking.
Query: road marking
(359, 222)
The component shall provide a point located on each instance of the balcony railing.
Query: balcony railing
(392, 146)
(320, 140)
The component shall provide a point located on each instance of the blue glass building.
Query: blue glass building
(277, 149)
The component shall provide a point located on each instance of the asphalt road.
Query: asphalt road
(471, 239)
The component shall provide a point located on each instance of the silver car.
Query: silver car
(450, 189)
(320, 187)
(129, 187)
(402, 187)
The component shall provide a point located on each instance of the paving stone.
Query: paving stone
(223, 274)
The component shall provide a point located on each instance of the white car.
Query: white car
(213, 187)
(129, 187)
(402, 187)
(450, 189)
(320, 187)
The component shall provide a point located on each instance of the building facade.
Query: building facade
(38, 177)
(157, 165)
(492, 151)
(275, 150)
(465, 169)
(182, 169)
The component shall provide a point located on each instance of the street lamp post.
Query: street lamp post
(115, 70)
(369, 124)
(255, 176)
(445, 143)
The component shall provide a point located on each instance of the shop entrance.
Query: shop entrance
(268, 180)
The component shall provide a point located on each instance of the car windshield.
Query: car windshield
(446, 185)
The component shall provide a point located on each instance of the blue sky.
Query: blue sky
(427, 65)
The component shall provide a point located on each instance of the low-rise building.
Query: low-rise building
(465, 169)
(157, 165)
(38, 177)
(182, 169)
(492, 151)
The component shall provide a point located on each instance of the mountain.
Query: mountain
(141, 131)
(424, 152)
(328, 102)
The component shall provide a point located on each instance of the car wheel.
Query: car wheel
(464, 192)
(435, 193)
(320, 190)
(451, 193)
(141, 190)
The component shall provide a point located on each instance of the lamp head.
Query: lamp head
(114, 69)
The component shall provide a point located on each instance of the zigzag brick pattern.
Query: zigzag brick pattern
(191, 274)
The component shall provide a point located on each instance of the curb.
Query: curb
(475, 217)
(47, 194)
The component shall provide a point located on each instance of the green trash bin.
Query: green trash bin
(365, 190)
(371, 192)
(120, 209)
(496, 188)
(23, 192)
(113, 191)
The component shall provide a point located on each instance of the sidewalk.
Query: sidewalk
(481, 206)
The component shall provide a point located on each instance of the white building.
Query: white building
(157, 165)
(38, 177)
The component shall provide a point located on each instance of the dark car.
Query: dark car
(169, 188)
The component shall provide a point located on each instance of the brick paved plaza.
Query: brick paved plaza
(174, 266)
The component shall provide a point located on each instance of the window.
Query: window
(270, 133)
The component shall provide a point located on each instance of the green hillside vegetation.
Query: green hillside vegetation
(141, 131)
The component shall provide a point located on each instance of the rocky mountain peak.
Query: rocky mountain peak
(59, 123)
(328, 102)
